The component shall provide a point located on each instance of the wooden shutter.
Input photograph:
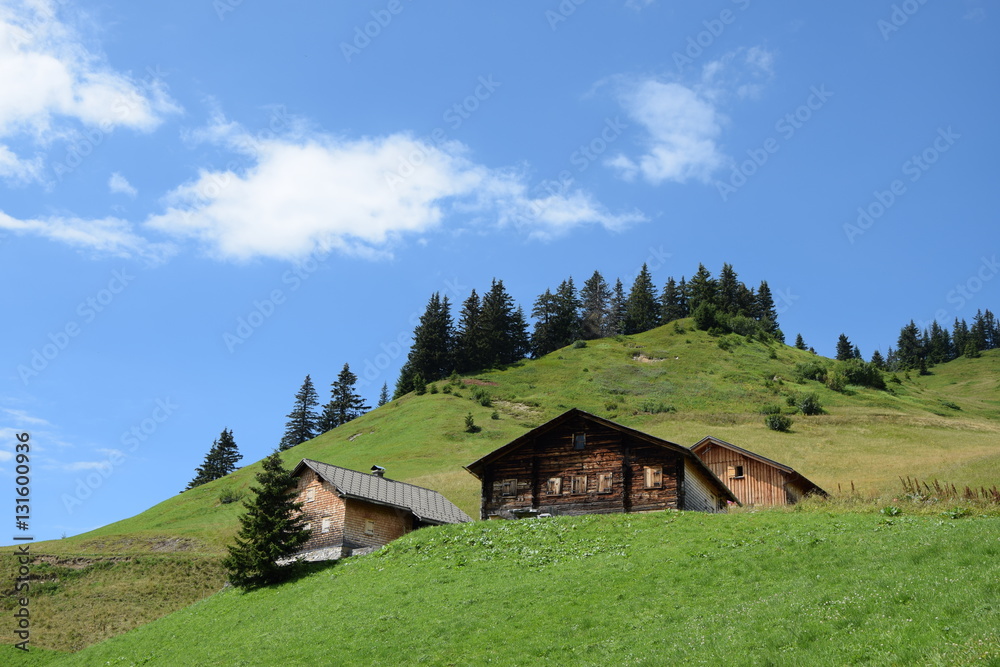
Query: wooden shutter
(604, 482)
(654, 477)
(555, 486)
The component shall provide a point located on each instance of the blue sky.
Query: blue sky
(202, 202)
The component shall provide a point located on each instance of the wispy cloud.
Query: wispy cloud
(53, 85)
(683, 122)
(118, 184)
(99, 237)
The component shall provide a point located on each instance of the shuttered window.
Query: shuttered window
(369, 527)
(326, 524)
(735, 471)
(554, 487)
(579, 441)
(508, 488)
(604, 482)
(579, 484)
(653, 477)
(310, 494)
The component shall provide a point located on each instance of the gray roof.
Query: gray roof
(428, 506)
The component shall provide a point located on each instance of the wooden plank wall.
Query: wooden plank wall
(761, 484)
(553, 456)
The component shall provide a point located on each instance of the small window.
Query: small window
(604, 482)
(310, 494)
(653, 477)
(579, 484)
(369, 527)
(508, 488)
(554, 487)
(579, 441)
(326, 525)
(736, 471)
(308, 527)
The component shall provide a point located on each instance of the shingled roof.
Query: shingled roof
(428, 506)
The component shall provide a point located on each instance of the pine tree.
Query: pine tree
(595, 298)
(618, 309)
(642, 310)
(272, 528)
(980, 331)
(939, 347)
(219, 462)
(344, 404)
(684, 296)
(855, 352)
(877, 360)
(543, 338)
(844, 350)
(701, 289)
(765, 312)
(432, 353)
(728, 295)
(469, 354)
(800, 343)
(567, 314)
(671, 302)
(960, 336)
(504, 330)
(303, 420)
(383, 396)
(909, 347)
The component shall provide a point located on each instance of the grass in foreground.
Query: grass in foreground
(782, 588)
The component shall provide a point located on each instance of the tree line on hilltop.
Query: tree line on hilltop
(493, 331)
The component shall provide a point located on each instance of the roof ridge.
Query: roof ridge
(386, 479)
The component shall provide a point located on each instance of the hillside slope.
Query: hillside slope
(674, 382)
(777, 588)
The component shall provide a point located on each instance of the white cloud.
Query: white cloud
(118, 184)
(102, 237)
(356, 196)
(683, 123)
(52, 85)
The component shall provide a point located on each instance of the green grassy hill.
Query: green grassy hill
(777, 588)
(674, 382)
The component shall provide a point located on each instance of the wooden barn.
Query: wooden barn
(754, 479)
(347, 510)
(579, 463)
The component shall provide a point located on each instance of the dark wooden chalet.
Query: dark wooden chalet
(579, 463)
(754, 479)
(347, 510)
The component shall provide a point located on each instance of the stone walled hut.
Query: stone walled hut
(347, 510)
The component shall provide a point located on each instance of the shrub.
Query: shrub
(579, 344)
(656, 408)
(434, 389)
(809, 370)
(836, 381)
(770, 409)
(470, 424)
(808, 404)
(678, 329)
(227, 496)
(446, 389)
(495, 415)
(862, 373)
(778, 422)
(483, 396)
(705, 316)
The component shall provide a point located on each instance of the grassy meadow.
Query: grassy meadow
(674, 382)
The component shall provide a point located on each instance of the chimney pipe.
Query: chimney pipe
(378, 471)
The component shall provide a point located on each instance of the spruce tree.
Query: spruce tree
(979, 332)
(800, 343)
(432, 353)
(728, 295)
(595, 300)
(345, 404)
(642, 310)
(765, 312)
(303, 420)
(383, 396)
(671, 302)
(844, 349)
(272, 528)
(543, 338)
(877, 360)
(960, 336)
(910, 347)
(684, 295)
(567, 313)
(618, 309)
(701, 289)
(504, 330)
(219, 462)
(469, 354)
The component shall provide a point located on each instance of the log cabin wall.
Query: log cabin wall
(583, 468)
(760, 483)
(323, 511)
(370, 525)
